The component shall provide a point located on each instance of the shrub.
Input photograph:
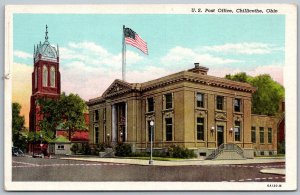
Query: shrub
(85, 148)
(75, 148)
(281, 147)
(123, 149)
(175, 151)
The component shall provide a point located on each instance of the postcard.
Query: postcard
(150, 97)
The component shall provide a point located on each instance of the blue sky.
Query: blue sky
(90, 47)
(162, 32)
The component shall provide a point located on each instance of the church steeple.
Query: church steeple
(45, 78)
(46, 34)
(45, 51)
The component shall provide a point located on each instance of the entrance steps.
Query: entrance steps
(227, 152)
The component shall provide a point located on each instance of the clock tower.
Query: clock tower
(45, 78)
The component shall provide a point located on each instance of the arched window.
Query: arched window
(45, 76)
(52, 76)
(35, 77)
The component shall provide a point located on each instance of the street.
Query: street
(38, 169)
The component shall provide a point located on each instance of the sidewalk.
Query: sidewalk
(183, 162)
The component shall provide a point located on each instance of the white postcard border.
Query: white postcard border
(290, 80)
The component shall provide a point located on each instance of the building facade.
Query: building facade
(189, 108)
(264, 134)
(45, 79)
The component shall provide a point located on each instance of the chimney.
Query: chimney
(199, 69)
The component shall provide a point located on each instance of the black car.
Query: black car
(17, 151)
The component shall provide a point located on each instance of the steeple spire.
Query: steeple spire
(46, 36)
(57, 51)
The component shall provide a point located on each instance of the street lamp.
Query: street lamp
(41, 136)
(151, 140)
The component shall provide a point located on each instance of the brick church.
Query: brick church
(46, 83)
(45, 78)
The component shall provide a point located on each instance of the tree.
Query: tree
(72, 108)
(268, 94)
(18, 138)
(52, 117)
(241, 77)
(67, 112)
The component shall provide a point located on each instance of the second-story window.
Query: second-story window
(200, 100)
(96, 115)
(169, 101)
(237, 105)
(220, 102)
(150, 102)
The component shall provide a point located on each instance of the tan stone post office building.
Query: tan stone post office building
(189, 108)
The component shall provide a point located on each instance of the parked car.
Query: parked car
(17, 151)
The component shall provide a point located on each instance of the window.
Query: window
(52, 76)
(253, 134)
(96, 135)
(261, 135)
(220, 102)
(237, 105)
(269, 135)
(237, 131)
(45, 76)
(169, 101)
(150, 104)
(169, 128)
(61, 147)
(96, 115)
(35, 77)
(200, 100)
(200, 128)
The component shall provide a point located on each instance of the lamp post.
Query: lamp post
(151, 142)
(41, 145)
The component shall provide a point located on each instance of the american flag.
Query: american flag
(132, 38)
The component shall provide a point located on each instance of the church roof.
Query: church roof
(45, 50)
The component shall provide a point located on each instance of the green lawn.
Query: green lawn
(273, 156)
(154, 158)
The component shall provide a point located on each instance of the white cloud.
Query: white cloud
(275, 71)
(92, 54)
(185, 57)
(243, 48)
(147, 74)
(22, 54)
(88, 68)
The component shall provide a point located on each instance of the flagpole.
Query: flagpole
(123, 56)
